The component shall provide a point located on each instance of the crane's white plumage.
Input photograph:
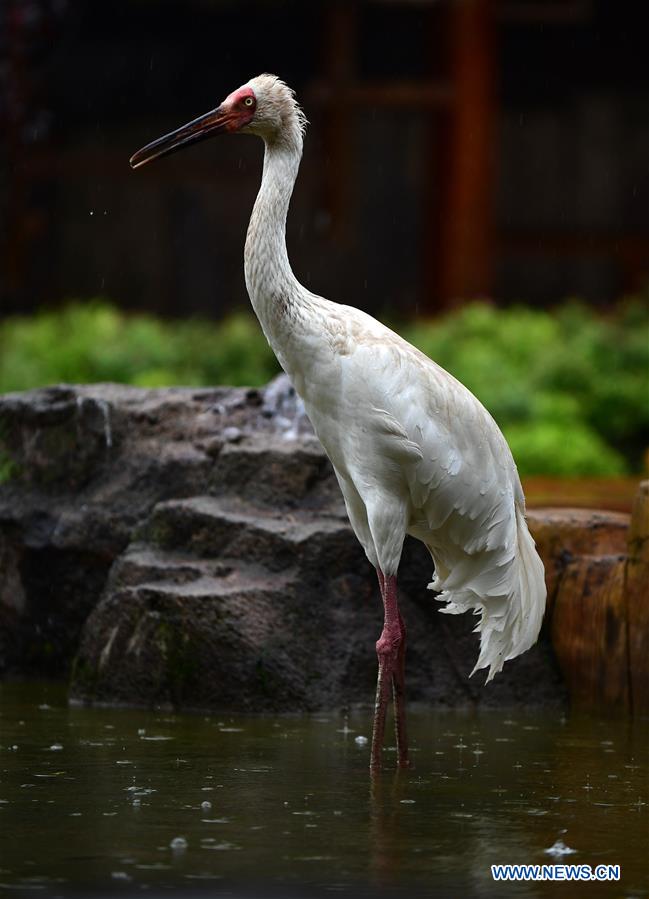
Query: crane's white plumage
(413, 450)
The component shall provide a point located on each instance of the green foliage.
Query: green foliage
(555, 448)
(570, 388)
(92, 342)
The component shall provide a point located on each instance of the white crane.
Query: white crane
(413, 450)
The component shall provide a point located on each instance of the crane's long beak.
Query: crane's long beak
(214, 122)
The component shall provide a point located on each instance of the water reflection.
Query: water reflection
(132, 800)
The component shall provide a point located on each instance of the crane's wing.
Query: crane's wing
(465, 494)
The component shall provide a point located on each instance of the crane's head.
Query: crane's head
(265, 106)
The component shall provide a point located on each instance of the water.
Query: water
(126, 802)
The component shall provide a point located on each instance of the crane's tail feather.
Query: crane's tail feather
(507, 590)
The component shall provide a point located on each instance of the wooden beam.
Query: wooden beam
(339, 51)
(574, 243)
(431, 95)
(630, 251)
(465, 261)
(637, 598)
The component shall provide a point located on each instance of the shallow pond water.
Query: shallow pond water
(125, 801)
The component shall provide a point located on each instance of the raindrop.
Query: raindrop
(178, 844)
(360, 740)
(206, 805)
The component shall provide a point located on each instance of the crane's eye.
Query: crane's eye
(248, 101)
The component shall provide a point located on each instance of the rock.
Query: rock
(80, 469)
(224, 605)
(275, 473)
(192, 548)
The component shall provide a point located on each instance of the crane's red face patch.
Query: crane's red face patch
(241, 105)
(236, 111)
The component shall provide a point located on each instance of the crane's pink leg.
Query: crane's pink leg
(391, 652)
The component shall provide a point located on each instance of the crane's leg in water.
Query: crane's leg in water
(391, 652)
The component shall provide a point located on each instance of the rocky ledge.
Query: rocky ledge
(191, 547)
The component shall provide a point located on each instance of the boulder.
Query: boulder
(80, 469)
(191, 547)
(219, 603)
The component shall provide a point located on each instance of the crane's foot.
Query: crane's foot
(391, 652)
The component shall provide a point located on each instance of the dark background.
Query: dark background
(457, 148)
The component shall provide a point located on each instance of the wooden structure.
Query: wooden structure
(471, 234)
(462, 240)
(463, 102)
(597, 575)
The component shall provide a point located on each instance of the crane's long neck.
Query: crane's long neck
(276, 295)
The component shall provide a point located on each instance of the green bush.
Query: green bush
(92, 342)
(570, 388)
